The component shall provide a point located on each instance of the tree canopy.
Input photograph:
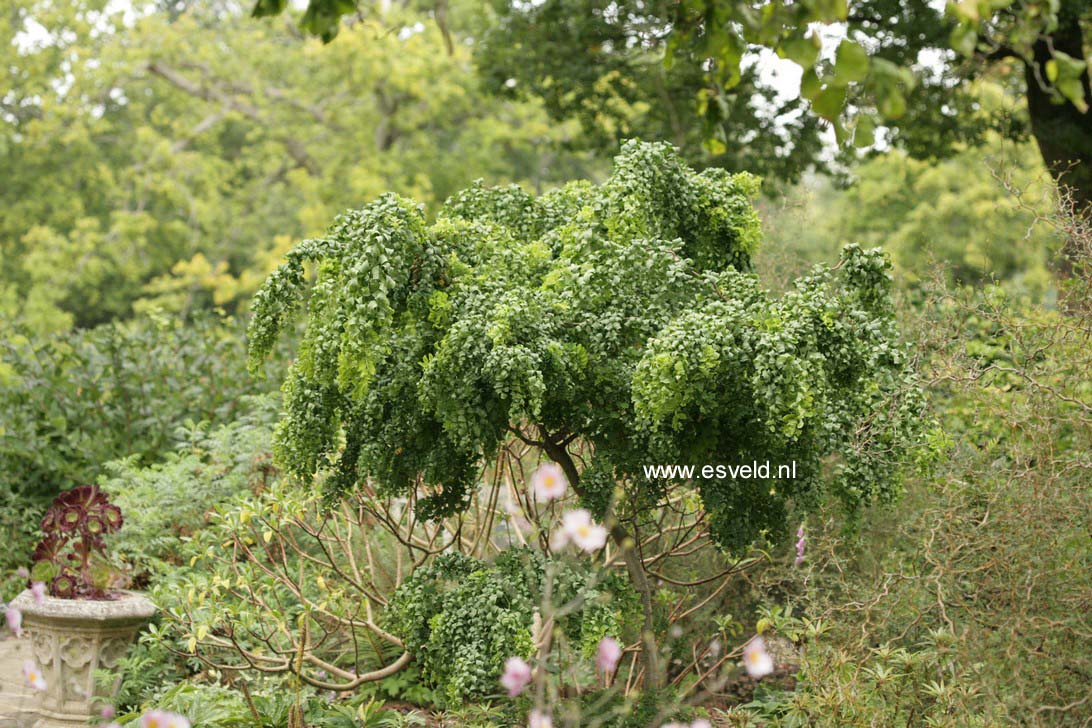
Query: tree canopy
(196, 145)
(896, 66)
(619, 315)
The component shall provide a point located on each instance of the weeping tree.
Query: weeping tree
(619, 321)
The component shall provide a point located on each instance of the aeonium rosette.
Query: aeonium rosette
(71, 554)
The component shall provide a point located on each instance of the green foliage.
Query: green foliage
(462, 618)
(612, 709)
(148, 670)
(581, 57)
(630, 323)
(172, 499)
(196, 143)
(70, 403)
(957, 213)
(221, 707)
(966, 604)
(875, 70)
(74, 402)
(889, 686)
(955, 219)
(281, 574)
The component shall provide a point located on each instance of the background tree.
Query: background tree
(900, 64)
(197, 144)
(905, 65)
(615, 321)
(603, 63)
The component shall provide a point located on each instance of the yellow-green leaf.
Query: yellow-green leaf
(850, 62)
(864, 135)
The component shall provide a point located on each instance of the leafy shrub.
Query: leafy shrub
(272, 706)
(967, 604)
(173, 499)
(275, 574)
(70, 403)
(619, 314)
(462, 618)
(614, 322)
(890, 686)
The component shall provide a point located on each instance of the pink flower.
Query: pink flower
(755, 658)
(38, 590)
(517, 676)
(800, 546)
(701, 723)
(33, 675)
(107, 712)
(14, 619)
(578, 527)
(608, 655)
(539, 719)
(23, 572)
(163, 719)
(549, 482)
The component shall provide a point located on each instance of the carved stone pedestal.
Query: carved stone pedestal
(70, 639)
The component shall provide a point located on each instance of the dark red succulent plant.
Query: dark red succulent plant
(75, 526)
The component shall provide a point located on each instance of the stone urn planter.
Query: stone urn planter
(72, 638)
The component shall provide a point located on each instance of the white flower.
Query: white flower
(163, 719)
(539, 719)
(755, 658)
(33, 675)
(549, 482)
(579, 528)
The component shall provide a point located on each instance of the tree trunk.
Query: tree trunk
(650, 656)
(1062, 131)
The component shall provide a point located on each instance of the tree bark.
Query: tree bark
(650, 656)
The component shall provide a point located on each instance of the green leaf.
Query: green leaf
(966, 9)
(891, 103)
(1067, 65)
(323, 17)
(964, 39)
(829, 102)
(263, 8)
(803, 51)
(828, 11)
(810, 86)
(729, 55)
(1052, 70)
(1072, 89)
(1065, 72)
(850, 62)
(715, 146)
(864, 135)
(841, 133)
